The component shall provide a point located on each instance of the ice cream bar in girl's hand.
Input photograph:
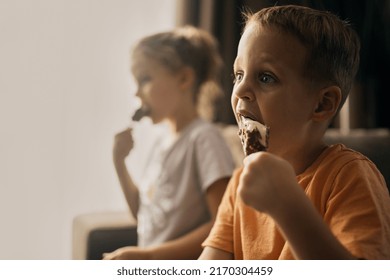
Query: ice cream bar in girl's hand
(139, 114)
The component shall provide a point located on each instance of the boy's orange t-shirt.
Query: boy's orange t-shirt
(347, 190)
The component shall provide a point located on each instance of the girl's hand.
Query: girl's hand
(127, 253)
(123, 143)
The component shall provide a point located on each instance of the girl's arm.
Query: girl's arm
(184, 247)
(123, 144)
(210, 253)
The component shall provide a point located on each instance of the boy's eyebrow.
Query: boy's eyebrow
(235, 63)
(265, 59)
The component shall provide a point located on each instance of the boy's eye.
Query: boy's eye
(266, 78)
(237, 77)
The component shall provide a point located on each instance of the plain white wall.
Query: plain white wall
(65, 89)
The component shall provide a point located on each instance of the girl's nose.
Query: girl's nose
(138, 93)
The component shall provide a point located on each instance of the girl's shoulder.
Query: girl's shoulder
(203, 129)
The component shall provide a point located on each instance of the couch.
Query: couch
(96, 233)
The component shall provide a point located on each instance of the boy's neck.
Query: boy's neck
(307, 158)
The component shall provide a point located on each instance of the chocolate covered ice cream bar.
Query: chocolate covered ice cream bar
(254, 136)
(139, 114)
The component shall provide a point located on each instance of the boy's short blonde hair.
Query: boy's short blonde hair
(333, 46)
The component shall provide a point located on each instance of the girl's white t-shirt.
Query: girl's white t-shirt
(173, 177)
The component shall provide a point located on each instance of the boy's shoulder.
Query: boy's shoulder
(340, 169)
(338, 155)
(339, 162)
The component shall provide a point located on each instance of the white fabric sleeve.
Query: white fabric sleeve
(214, 159)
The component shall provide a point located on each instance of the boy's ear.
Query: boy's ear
(328, 103)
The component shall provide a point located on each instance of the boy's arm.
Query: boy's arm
(185, 247)
(268, 184)
(306, 232)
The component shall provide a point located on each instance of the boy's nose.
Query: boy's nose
(244, 90)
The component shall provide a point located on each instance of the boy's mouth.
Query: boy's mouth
(242, 115)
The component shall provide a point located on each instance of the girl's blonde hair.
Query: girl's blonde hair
(191, 47)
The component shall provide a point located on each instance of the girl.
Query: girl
(187, 172)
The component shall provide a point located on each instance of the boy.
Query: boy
(301, 199)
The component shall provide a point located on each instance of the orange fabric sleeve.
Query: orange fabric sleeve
(221, 235)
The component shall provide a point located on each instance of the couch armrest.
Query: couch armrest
(96, 233)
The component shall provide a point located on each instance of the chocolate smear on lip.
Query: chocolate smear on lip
(253, 135)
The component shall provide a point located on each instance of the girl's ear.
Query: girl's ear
(187, 78)
(328, 103)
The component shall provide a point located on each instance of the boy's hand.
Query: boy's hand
(268, 183)
(123, 143)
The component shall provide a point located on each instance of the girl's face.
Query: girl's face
(159, 89)
(270, 86)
